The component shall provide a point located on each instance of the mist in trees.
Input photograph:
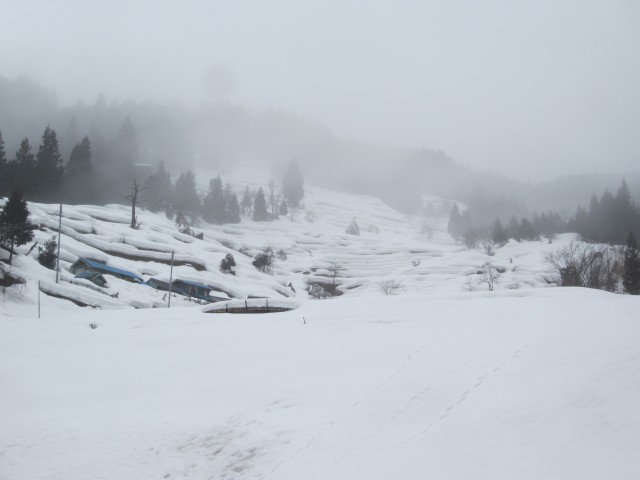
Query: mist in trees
(101, 146)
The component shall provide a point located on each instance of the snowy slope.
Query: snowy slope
(390, 247)
(527, 384)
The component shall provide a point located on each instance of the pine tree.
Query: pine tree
(232, 207)
(246, 202)
(159, 190)
(125, 148)
(79, 181)
(15, 227)
(80, 159)
(213, 205)
(499, 233)
(631, 276)
(293, 184)
(186, 199)
(260, 213)
(526, 230)
(48, 171)
(22, 168)
(454, 227)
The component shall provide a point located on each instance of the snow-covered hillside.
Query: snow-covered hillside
(525, 382)
(390, 247)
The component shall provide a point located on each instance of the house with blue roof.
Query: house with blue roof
(83, 265)
(196, 290)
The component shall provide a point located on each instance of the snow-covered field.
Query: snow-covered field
(526, 382)
(523, 384)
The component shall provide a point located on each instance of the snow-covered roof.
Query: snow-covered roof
(107, 268)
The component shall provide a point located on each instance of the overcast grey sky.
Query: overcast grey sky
(534, 89)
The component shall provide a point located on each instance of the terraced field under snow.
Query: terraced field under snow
(390, 247)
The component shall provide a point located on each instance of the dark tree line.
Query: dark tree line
(220, 204)
(607, 219)
(45, 177)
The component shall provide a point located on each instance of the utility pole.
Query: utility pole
(170, 279)
(58, 255)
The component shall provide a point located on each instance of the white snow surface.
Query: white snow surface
(436, 382)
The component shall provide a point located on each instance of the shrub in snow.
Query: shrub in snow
(321, 290)
(47, 254)
(227, 265)
(583, 265)
(391, 287)
(264, 260)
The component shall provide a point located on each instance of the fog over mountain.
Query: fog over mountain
(533, 90)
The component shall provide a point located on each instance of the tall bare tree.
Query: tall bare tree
(134, 198)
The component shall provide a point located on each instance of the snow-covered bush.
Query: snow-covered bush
(47, 254)
(353, 228)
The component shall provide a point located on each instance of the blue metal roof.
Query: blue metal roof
(107, 268)
(193, 284)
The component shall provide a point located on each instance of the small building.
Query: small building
(94, 277)
(157, 284)
(196, 290)
(87, 265)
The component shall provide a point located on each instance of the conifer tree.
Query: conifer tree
(125, 148)
(454, 227)
(80, 158)
(499, 233)
(260, 213)
(159, 190)
(631, 276)
(186, 199)
(22, 168)
(246, 202)
(48, 171)
(232, 207)
(15, 227)
(79, 180)
(213, 205)
(293, 184)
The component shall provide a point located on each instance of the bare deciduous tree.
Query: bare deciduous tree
(134, 198)
(584, 265)
(489, 275)
(336, 269)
